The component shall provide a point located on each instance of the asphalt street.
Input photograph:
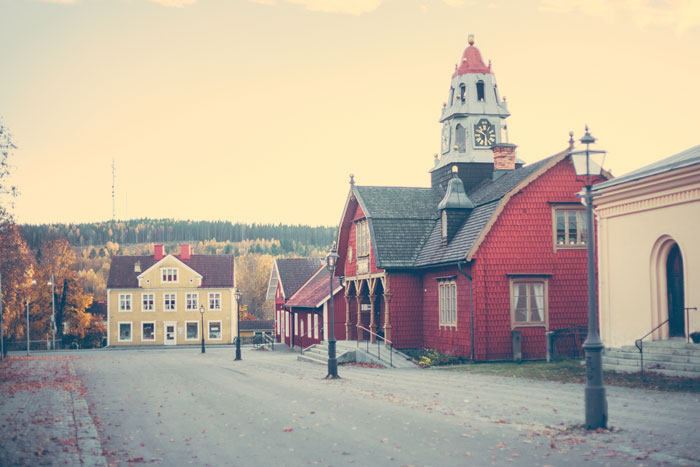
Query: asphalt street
(182, 407)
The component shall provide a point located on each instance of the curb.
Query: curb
(89, 445)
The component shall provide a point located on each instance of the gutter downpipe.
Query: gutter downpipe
(471, 303)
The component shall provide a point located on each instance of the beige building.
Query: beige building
(649, 251)
(159, 299)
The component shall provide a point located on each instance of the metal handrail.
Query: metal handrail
(308, 333)
(640, 345)
(391, 344)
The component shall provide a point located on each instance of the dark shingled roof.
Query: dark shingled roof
(294, 272)
(216, 270)
(315, 291)
(400, 219)
(406, 230)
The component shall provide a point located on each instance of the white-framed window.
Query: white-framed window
(168, 274)
(443, 224)
(148, 331)
(125, 302)
(362, 238)
(308, 324)
(315, 326)
(124, 328)
(191, 330)
(148, 302)
(569, 227)
(214, 330)
(286, 323)
(215, 301)
(529, 303)
(296, 324)
(192, 301)
(447, 293)
(169, 302)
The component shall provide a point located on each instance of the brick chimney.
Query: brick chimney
(158, 252)
(185, 251)
(503, 159)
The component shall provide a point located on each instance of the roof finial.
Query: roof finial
(470, 39)
(352, 179)
(571, 140)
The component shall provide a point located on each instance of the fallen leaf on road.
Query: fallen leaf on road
(287, 428)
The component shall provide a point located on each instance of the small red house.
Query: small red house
(286, 277)
(491, 247)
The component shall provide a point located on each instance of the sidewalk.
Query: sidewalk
(43, 415)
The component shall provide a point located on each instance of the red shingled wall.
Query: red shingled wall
(521, 242)
(406, 310)
(450, 340)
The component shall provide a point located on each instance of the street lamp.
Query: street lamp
(201, 312)
(238, 295)
(588, 163)
(33, 283)
(331, 262)
(53, 314)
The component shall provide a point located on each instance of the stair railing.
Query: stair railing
(308, 334)
(687, 322)
(377, 336)
(640, 345)
(269, 339)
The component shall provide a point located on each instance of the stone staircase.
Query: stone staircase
(672, 357)
(348, 351)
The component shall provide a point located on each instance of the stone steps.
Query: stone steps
(348, 351)
(672, 357)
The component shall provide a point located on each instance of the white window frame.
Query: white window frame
(308, 324)
(217, 297)
(153, 323)
(170, 296)
(144, 297)
(286, 323)
(514, 282)
(169, 275)
(119, 331)
(570, 243)
(196, 323)
(221, 330)
(447, 302)
(125, 299)
(315, 326)
(191, 298)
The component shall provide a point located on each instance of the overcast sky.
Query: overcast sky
(257, 111)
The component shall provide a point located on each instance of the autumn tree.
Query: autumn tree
(252, 275)
(16, 272)
(57, 262)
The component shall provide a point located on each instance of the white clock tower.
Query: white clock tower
(473, 120)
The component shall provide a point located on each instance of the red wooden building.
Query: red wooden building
(491, 247)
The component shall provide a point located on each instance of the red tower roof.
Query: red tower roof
(471, 61)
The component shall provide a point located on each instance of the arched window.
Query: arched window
(462, 91)
(461, 138)
(480, 90)
(452, 95)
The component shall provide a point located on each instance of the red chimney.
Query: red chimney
(504, 156)
(158, 252)
(185, 251)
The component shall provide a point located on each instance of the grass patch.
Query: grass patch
(572, 371)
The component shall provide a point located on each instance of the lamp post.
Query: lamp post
(53, 314)
(596, 404)
(28, 342)
(237, 295)
(331, 262)
(201, 312)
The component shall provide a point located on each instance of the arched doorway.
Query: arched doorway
(675, 293)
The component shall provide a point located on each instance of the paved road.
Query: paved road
(180, 407)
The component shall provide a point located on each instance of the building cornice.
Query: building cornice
(657, 191)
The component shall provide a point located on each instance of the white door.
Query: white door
(170, 338)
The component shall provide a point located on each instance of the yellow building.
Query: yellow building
(168, 299)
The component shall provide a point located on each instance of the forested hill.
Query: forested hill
(170, 230)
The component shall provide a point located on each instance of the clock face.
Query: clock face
(445, 138)
(484, 133)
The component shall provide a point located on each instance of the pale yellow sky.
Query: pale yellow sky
(257, 111)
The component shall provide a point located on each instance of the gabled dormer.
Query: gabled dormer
(169, 272)
(454, 207)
